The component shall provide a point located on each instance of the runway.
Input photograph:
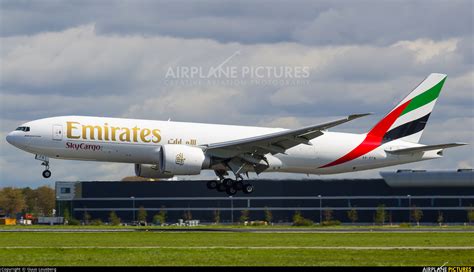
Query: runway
(242, 230)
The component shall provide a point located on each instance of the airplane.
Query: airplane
(163, 149)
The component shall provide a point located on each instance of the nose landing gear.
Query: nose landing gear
(46, 174)
(45, 162)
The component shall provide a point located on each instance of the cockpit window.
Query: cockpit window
(23, 129)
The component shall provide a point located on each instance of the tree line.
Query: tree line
(39, 201)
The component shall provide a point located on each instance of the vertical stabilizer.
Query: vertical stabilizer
(408, 119)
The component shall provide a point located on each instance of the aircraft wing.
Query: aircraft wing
(274, 143)
(411, 150)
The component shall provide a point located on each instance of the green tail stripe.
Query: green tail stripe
(424, 98)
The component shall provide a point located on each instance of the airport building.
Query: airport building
(449, 194)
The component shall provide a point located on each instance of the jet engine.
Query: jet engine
(174, 159)
(150, 171)
(182, 160)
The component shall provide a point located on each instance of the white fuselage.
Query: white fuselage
(138, 141)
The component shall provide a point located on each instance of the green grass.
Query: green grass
(58, 248)
(186, 239)
(226, 257)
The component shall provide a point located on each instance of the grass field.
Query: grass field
(224, 248)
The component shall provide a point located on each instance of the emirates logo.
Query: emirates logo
(180, 159)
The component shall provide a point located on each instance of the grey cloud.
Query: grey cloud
(74, 61)
(187, 104)
(466, 49)
(224, 21)
(366, 22)
(322, 22)
(131, 72)
(110, 59)
(36, 106)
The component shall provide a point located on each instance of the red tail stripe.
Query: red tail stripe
(373, 138)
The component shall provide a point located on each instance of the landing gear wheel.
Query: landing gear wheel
(221, 187)
(45, 163)
(238, 185)
(231, 191)
(212, 184)
(248, 188)
(227, 182)
(46, 174)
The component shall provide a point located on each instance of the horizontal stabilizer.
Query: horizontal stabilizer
(417, 149)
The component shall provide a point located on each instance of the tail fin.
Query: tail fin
(408, 119)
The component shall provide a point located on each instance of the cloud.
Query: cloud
(367, 22)
(427, 49)
(23, 107)
(308, 22)
(102, 61)
(199, 104)
(76, 59)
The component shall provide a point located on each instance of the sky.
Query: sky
(121, 59)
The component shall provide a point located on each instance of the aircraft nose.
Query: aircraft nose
(12, 138)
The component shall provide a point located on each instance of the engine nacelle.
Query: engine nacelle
(182, 160)
(150, 171)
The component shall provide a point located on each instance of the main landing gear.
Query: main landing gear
(230, 186)
(45, 162)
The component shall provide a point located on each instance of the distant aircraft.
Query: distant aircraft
(163, 149)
